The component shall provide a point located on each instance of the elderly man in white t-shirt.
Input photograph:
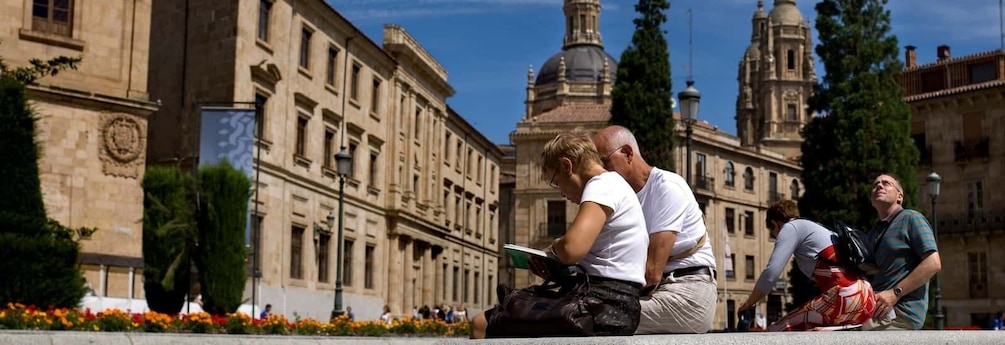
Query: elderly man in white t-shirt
(680, 294)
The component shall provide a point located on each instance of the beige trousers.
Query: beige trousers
(679, 305)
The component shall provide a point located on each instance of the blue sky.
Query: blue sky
(487, 45)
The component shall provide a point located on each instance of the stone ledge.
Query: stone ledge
(815, 338)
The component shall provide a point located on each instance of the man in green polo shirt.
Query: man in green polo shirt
(907, 257)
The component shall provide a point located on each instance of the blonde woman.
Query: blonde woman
(608, 236)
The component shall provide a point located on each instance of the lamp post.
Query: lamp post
(343, 163)
(689, 99)
(934, 182)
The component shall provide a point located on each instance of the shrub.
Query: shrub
(168, 229)
(40, 270)
(21, 207)
(223, 217)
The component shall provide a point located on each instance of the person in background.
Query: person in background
(906, 256)
(267, 312)
(845, 296)
(385, 317)
(348, 312)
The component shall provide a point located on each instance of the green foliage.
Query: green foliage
(40, 270)
(38, 68)
(641, 98)
(168, 230)
(21, 208)
(866, 129)
(225, 192)
(801, 288)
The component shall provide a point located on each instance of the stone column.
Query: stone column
(440, 283)
(428, 275)
(409, 269)
(394, 273)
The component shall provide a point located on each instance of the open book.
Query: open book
(521, 255)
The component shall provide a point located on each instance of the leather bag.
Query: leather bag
(555, 308)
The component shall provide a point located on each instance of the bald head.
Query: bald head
(613, 137)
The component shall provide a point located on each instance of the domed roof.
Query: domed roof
(753, 51)
(785, 12)
(582, 63)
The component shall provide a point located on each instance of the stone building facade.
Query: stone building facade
(421, 199)
(92, 125)
(958, 111)
(734, 180)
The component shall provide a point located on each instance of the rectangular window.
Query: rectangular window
(347, 262)
(471, 162)
(330, 66)
(479, 170)
(354, 82)
(260, 102)
(446, 150)
(790, 112)
(977, 267)
(324, 247)
(731, 266)
(457, 283)
(983, 72)
(478, 288)
(748, 262)
(297, 252)
(748, 223)
(373, 169)
(368, 267)
(52, 16)
(975, 198)
(457, 158)
(443, 291)
(301, 149)
(264, 16)
(556, 219)
(493, 176)
(790, 57)
(467, 273)
(375, 97)
(933, 80)
(415, 185)
(730, 220)
(773, 187)
(417, 125)
(352, 161)
(329, 159)
(305, 47)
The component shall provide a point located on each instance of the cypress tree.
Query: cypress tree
(866, 127)
(223, 215)
(641, 98)
(21, 207)
(168, 229)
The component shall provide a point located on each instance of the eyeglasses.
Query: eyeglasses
(551, 183)
(607, 159)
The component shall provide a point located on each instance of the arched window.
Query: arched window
(748, 179)
(794, 189)
(730, 174)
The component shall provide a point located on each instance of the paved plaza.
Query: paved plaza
(815, 338)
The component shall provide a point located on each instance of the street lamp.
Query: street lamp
(934, 182)
(689, 99)
(343, 164)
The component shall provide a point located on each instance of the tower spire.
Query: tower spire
(582, 23)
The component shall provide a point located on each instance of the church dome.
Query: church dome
(785, 12)
(583, 63)
(753, 51)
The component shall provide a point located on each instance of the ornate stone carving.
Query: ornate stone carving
(123, 145)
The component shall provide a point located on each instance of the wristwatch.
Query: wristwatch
(898, 291)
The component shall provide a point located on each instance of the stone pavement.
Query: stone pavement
(814, 338)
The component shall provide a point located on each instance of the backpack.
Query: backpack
(851, 247)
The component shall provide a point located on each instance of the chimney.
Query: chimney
(943, 52)
(910, 56)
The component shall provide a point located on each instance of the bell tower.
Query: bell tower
(582, 23)
(776, 78)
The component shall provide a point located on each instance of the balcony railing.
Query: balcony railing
(704, 182)
(546, 230)
(980, 149)
(975, 223)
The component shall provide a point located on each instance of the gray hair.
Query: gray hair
(620, 136)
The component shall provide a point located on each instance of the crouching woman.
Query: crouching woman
(845, 296)
(607, 238)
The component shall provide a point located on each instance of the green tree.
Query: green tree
(223, 214)
(641, 98)
(866, 127)
(39, 264)
(169, 228)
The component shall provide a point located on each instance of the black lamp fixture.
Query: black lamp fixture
(689, 100)
(934, 185)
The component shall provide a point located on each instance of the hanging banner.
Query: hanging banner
(229, 134)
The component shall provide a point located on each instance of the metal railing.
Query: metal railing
(977, 223)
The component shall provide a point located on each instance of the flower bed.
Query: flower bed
(17, 316)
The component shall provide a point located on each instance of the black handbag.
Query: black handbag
(556, 308)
